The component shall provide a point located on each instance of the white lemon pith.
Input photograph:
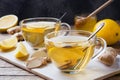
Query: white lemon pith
(8, 43)
(21, 51)
(110, 32)
(7, 22)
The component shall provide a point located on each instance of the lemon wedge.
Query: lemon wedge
(21, 52)
(7, 22)
(8, 43)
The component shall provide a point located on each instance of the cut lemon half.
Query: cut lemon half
(21, 52)
(8, 21)
(8, 43)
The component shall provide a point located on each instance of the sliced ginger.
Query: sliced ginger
(38, 59)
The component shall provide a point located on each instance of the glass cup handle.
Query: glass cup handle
(65, 26)
(102, 43)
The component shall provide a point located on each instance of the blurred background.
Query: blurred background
(56, 8)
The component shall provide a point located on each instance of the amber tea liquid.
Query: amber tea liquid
(67, 51)
(34, 32)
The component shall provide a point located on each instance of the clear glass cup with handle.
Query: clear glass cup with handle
(34, 29)
(70, 50)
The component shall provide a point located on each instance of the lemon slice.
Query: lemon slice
(8, 21)
(8, 43)
(21, 52)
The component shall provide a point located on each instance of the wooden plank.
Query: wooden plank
(9, 69)
(5, 64)
(13, 71)
(20, 78)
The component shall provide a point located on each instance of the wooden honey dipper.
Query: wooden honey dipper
(95, 11)
(100, 8)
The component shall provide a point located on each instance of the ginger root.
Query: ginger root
(19, 36)
(14, 30)
(36, 62)
(108, 57)
(38, 59)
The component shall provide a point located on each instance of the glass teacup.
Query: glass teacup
(70, 50)
(34, 29)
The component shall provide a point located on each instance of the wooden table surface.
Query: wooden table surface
(11, 72)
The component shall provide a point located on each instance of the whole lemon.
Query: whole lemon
(110, 31)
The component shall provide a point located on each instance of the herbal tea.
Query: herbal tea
(34, 32)
(67, 51)
(34, 29)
